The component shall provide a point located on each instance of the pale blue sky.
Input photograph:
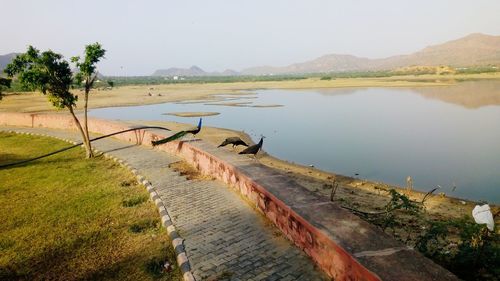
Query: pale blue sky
(146, 35)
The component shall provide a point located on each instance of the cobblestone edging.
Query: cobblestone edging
(177, 240)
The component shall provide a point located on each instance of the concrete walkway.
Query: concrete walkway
(225, 239)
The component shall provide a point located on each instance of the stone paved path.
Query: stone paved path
(225, 239)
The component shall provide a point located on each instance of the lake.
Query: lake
(447, 136)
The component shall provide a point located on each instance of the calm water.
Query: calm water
(439, 136)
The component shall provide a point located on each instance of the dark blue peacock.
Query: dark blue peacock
(235, 141)
(254, 148)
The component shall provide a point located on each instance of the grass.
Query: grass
(68, 218)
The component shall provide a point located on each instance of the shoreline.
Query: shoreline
(314, 179)
(133, 95)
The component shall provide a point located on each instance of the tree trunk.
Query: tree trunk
(85, 106)
(86, 139)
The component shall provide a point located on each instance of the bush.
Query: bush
(464, 247)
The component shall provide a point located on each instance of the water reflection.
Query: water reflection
(470, 94)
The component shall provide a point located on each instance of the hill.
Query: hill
(174, 71)
(326, 63)
(192, 71)
(473, 50)
(5, 60)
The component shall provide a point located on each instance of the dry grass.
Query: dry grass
(187, 170)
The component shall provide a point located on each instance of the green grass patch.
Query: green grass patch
(145, 225)
(65, 218)
(134, 201)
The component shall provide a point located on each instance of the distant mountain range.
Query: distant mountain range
(192, 71)
(473, 50)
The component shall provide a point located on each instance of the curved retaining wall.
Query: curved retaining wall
(343, 245)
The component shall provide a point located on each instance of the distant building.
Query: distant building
(176, 78)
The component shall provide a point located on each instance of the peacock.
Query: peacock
(254, 148)
(178, 135)
(235, 141)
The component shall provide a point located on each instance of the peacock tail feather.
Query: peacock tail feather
(169, 139)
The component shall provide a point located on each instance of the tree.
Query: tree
(88, 75)
(49, 73)
(4, 83)
(111, 83)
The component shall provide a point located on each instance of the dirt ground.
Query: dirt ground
(359, 194)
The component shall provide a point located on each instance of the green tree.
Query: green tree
(87, 74)
(49, 73)
(111, 83)
(4, 83)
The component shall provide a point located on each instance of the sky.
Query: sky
(142, 36)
